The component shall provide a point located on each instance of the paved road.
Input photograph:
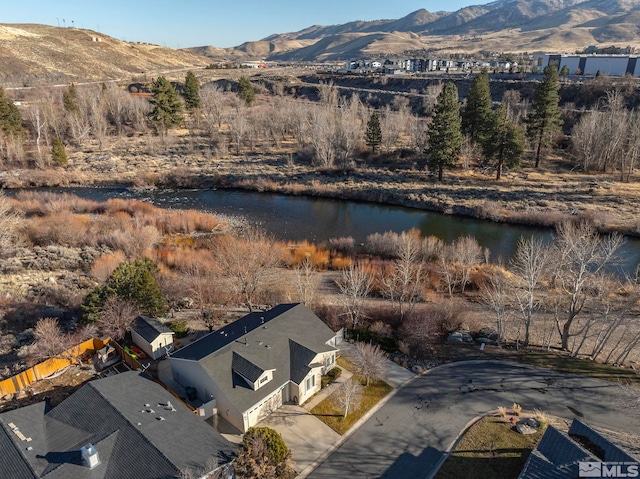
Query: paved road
(408, 435)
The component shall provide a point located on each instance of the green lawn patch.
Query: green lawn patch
(490, 448)
(332, 415)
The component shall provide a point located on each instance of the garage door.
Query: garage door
(266, 408)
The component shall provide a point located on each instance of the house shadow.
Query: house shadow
(481, 467)
(408, 465)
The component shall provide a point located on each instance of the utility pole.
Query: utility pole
(64, 24)
(58, 19)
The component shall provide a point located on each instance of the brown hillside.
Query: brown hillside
(33, 54)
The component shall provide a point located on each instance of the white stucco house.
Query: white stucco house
(259, 362)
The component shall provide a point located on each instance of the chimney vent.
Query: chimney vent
(90, 455)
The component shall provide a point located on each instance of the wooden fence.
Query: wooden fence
(50, 366)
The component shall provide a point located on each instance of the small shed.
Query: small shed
(151, 336)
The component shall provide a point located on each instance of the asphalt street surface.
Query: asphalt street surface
(407, 437)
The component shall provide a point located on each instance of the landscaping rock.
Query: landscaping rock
(522, 428)
(489, 333)
(455, 337)
(417, 369)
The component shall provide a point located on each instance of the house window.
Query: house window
(311, 382)
(264, 379)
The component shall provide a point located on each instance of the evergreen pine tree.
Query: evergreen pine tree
(505, 143)
(246, 91)
(133, 281)
(445, 135)
(373, 135)
(10, 119)
(58, 153)
(70, 100)
(544, 120)
(167, 108)
(477, 112)
(191, 91)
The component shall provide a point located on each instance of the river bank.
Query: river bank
(526, 196)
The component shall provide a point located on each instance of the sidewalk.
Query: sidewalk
(326, 392)
(394, 376)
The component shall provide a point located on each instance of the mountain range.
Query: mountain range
(32, 54)
(501, 26)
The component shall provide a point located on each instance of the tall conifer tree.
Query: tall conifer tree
(445, 135)
(191, 91)
(477, 112)
(544, 120)
(373, 136)
(505, 141)
(167, 108)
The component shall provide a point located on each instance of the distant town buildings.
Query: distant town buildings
(585, 64)
(423, 65)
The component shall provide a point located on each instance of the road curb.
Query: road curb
(313, 466)
(455, 442)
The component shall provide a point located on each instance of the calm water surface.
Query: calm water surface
(318, 219)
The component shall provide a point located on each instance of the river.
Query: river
(319, 219)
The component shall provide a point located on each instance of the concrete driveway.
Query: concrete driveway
(303, 433)
(409, 435)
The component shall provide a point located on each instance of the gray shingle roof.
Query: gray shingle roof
(266, 344)
(557, 455)
(559, 449)
(130, 443)
(149, 328)
(245, 368)
(537, 467)
(300, 357)
(610, 452)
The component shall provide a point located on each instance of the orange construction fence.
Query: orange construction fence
(50, 366)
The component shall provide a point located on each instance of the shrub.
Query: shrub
(343, 244)
(334, 373)
(263, 453)
(366, 335)
(58, 153)
(180, 327)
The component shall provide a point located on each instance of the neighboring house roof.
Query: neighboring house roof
(284, 339)
(604, 449)
(558, 454)
(108, 413)
(149, 328)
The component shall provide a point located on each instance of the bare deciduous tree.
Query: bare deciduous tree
(306, 281)
(403, 283)
(495, 294)
(248, 263)
(349, 396)
(529, 263)
(581, 255)
(117, 316)
(370, 361)
(355, 285)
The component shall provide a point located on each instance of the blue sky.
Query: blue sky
(209, 22)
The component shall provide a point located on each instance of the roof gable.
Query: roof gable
(245, 368)
(300, 357)
(149, 328)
